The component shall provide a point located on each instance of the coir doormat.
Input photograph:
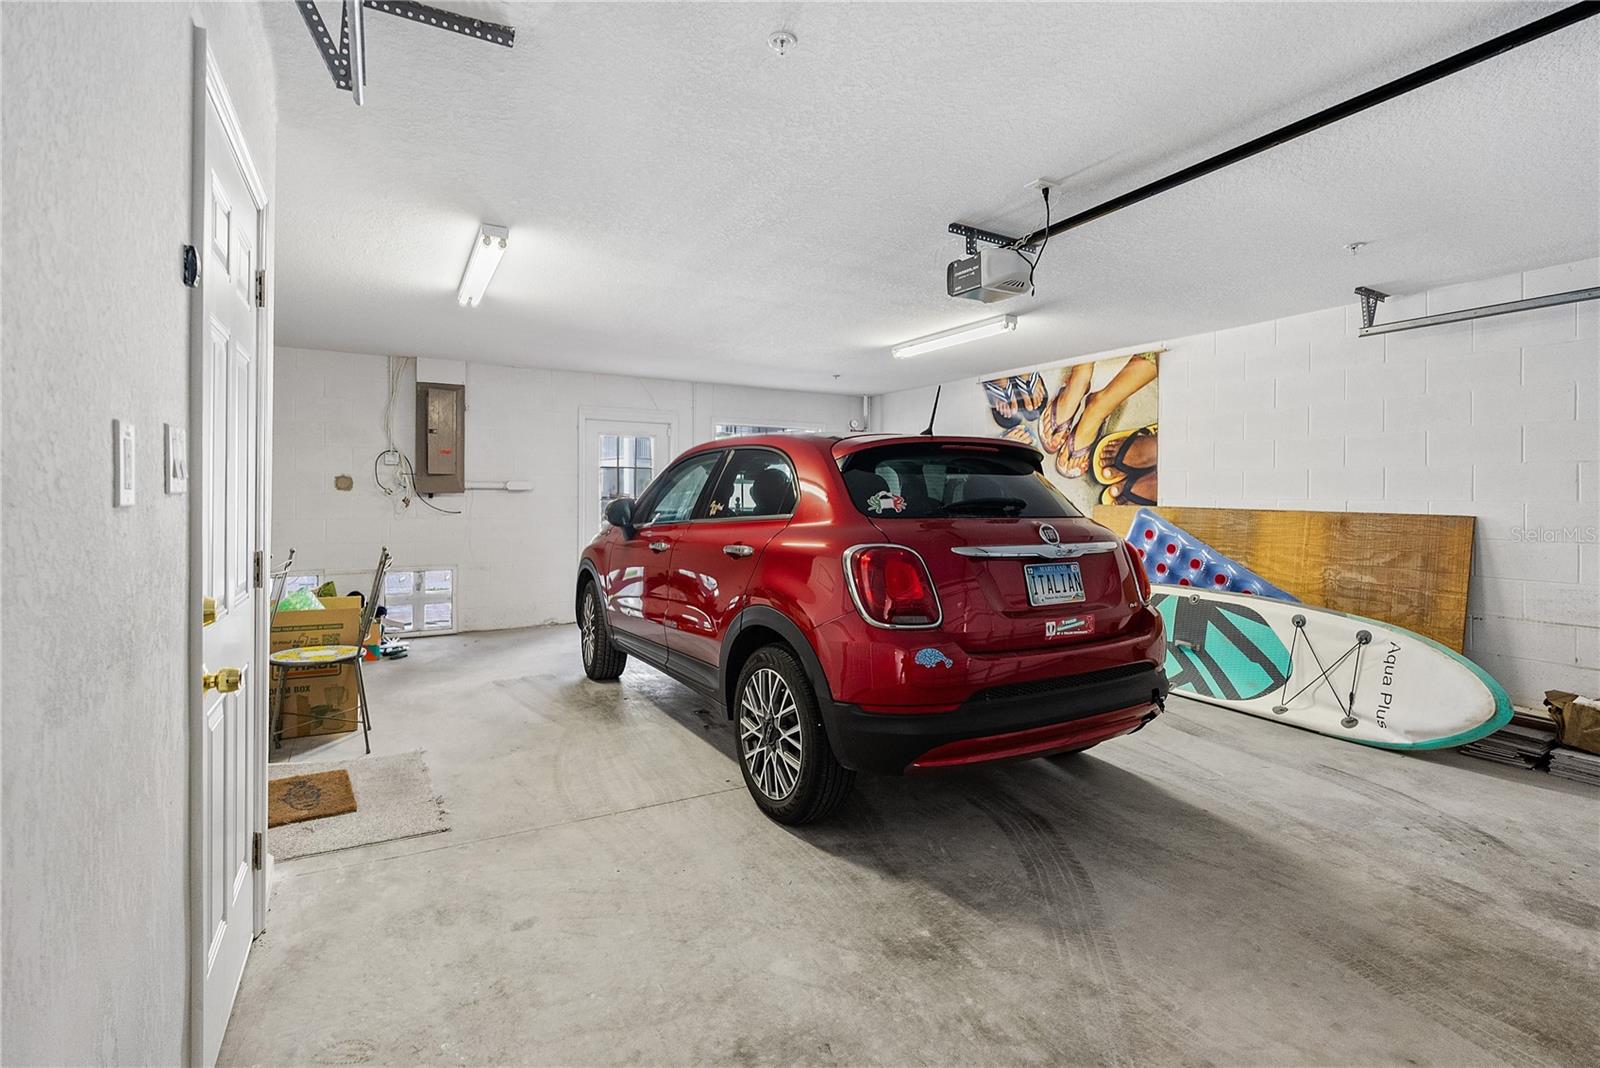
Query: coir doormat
(397, 801)
(298, 798)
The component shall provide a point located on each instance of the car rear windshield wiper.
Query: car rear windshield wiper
(1001, 505)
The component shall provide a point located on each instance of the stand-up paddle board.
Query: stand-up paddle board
(1336, 674)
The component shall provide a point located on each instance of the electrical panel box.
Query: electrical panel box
(441, 432)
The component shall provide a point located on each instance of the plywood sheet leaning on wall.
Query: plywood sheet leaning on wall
(1410, 570)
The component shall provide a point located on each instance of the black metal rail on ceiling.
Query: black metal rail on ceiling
(1534, 30)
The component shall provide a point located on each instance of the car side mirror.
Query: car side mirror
(619, 513)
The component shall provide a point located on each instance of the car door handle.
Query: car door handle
(737, 550)
(660, 546)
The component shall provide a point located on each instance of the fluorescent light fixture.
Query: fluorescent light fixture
(1000, 324)
(486, 252)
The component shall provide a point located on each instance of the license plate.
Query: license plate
(1053, 583)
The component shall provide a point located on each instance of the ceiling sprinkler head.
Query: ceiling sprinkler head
(1355, 247)
(782, 41)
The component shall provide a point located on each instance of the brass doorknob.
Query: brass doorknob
(224, 680)
(208, 611)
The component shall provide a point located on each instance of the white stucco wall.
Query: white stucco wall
(97, 109)
(515, 554)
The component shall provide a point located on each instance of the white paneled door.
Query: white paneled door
(228, 754)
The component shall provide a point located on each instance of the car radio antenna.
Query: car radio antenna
(937, 390)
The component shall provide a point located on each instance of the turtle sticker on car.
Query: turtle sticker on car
(884, 501)
(932, 658)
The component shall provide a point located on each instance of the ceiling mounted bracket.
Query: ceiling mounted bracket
(346, 58)
(1462, 315)
(973, 235)
(427, 15)
(1370, 299)
(335, 56)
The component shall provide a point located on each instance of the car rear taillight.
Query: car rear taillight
(891, 587)
(1141, 581)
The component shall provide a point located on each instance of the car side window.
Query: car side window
(673, 497)
(756, 483)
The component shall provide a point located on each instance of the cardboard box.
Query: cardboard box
(319, 700)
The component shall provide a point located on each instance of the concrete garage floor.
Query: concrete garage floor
(1217, 889)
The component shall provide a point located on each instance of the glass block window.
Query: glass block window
(739, 430)
(627, 464)
(295, 583)
(420, 601)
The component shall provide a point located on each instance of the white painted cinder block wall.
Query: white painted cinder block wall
(1495, 418)
(97, 106)
(515, 553)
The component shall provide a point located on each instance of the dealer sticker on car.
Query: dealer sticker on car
(1053, 583)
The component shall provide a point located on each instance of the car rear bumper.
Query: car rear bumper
(1005, 723)
(913, 671)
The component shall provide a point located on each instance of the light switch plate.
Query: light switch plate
(177, 466)
(122, 463)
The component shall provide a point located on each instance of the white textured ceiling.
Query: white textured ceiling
(683, 203)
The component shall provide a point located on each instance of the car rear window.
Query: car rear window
(916, 481)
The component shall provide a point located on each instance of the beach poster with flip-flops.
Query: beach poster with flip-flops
(1096, 423)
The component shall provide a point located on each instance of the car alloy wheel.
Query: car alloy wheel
(769, 734)
(602, 661)
(589, 626)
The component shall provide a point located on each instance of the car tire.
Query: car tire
(784, 755)
(602, 661)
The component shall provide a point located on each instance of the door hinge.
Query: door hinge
(261, 288)
(257, 850)
(260, 566)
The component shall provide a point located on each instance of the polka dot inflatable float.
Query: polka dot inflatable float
(1174, 557)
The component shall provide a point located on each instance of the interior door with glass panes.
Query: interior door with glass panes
(619, 460)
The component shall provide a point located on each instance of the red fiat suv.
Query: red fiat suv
(885, 604)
